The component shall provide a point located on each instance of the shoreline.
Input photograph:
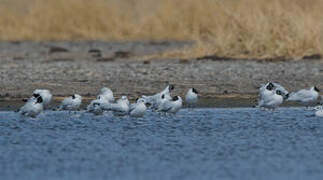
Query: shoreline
(11, 104)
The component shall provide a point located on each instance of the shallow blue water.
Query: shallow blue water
(239, 143)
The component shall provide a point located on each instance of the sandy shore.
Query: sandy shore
(85, 67)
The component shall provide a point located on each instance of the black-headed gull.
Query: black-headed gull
(120, 108)
(264, 92)
(105, 97)
(191, 97)
(171, 106)
(107, 94)
(138, 109)
(71, 103)
(319, 111)
(33, 107)
(155, 100)
(272, 100)
(305, 96)
(46, 96)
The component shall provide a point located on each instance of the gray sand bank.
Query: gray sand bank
(68, 67)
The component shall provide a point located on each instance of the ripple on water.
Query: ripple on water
(241, 143)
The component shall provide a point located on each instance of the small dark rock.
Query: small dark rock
(94, 51)
(278, 58)
(122, 54)
(15, 42)
(214, 58)
(18, 58)
(97, 55)
(60, 60)
(159, 43)
(56, 49)
(147, 62)
(183, 61)
(313, 57)
(105, 59)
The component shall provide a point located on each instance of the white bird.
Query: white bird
(45, 94)
(265, 91)
(138, 109)
(106, 94)
(105, 97)
(71, 103)
(95, 106)
(33, 107)
(281, 89)
(191, 97)
(121, 108)
(272, 101)
(305, 96)
(155, 100)
(319, 111)
(171, 106)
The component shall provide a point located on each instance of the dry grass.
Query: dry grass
(238, 28)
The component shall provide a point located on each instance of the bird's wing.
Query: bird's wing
(281, 88)
(132, 107)
(166, 106)
(302, 94)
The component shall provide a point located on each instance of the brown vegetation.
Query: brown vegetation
(235, 28)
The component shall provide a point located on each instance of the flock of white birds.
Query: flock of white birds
(271, 96)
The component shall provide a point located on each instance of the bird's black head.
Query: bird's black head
(270, 86)
(175, 98)
(316, 89)
(36, 95)
(96, 104)
(278, 92)
(147, 104)
(287, 96)
(73, 97)
(163, 96)
(194, 91)
(171, 87)
(39, 100)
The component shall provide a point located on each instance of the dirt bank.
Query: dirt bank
(85, 67)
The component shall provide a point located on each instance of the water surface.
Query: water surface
(207, 143)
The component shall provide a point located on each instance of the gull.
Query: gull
(271, 100)
(319, 111)
(191, 97)
(305, 96)
(105, 96)
(33, 107)
(139, 108)
(171, 106)
(155, 100)
(270, 88)
(281, 89)
(265, 91)
(71, 103)
(45, 94)
(121, 108)
(94, 106)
